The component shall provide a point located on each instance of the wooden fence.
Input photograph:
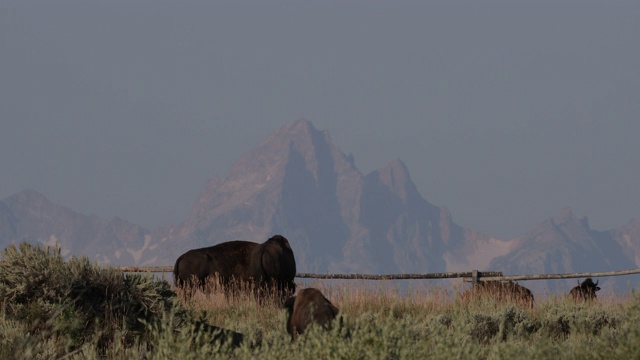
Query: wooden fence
(563, 276)
(472, 276)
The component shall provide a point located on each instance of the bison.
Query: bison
(269, 265)
(307, 307)
(500, 291)
(585, 290)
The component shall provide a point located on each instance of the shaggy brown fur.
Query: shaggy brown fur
(308, 306)
(501, 291)
(270, 264)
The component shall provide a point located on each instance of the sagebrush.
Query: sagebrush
(56, 308)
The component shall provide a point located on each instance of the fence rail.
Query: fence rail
(448, 275)
(467, 276)
(162, 269)
(561, 276)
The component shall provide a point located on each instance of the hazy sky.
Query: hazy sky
(504, 112)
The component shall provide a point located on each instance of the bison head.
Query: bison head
(585, 290)
(273, 264)
(589, 284)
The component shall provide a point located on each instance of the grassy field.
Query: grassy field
(52, 308)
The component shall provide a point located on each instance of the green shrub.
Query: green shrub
(76, 301)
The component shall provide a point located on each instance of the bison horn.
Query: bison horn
(597, 281)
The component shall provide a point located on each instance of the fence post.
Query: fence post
(474, 277)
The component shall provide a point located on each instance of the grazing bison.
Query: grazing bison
(500, 291)
(308, 306)
(270, 264)
(585, 290)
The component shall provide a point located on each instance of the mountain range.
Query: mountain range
(299, 184)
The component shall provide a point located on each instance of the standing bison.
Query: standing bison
(307, 307)
(585, 290)
(268, 265)
(500, 291)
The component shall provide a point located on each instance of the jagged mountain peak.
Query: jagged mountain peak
(28, 196)
(395, 172)
(295, 170)
(303, 139)
(565, 227)
(30, 216)
(395, 176)
(627, 236)
(301, 134)
(563, 244)
(298, 127)
(272, 154)
(567, 217)
(297, 183)
(31, 202)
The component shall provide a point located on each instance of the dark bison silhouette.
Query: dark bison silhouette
(270, 265)
(585, 290)
(501, 291)
(307, 307)
(219, 334)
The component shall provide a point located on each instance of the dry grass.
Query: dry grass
(357, 298)
(140, 318)
(354, 298)
(416, 321)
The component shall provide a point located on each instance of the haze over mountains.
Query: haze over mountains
(297, 183)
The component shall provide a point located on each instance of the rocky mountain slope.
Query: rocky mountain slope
(299, 184)
(29, 216)
(565, 244)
